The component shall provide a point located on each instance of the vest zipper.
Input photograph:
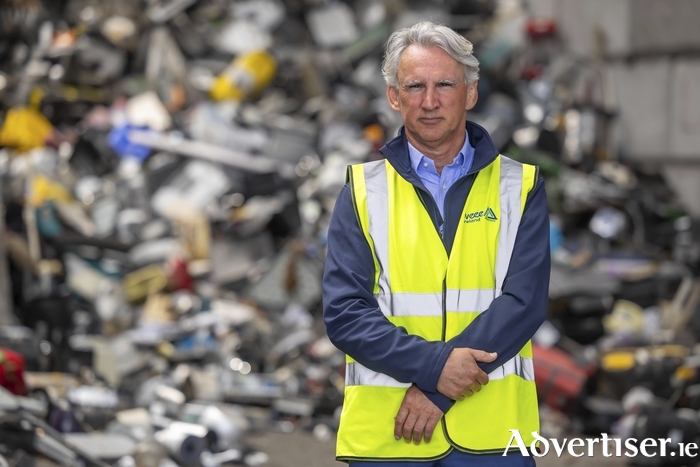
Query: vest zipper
(442, 337)
(444, 308)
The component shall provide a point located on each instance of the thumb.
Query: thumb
(483, 356)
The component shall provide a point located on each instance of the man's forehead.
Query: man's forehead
(416, 60)
(417, 51)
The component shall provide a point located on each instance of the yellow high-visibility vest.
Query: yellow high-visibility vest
(435, 296)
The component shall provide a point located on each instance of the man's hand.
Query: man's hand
(461, 377)
(417, 417)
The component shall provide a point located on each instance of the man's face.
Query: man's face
(432, 96)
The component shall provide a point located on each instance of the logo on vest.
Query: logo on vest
(476, 216)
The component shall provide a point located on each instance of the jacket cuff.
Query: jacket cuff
(443, 402)
(431, 382)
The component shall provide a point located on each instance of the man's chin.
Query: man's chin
(429, 137)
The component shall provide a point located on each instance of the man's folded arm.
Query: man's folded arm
(514, 317)
(354, 322)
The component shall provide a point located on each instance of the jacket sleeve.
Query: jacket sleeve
(515, 316)
(354, 322)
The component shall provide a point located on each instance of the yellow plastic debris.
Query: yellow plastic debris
(246, 76)
(43, 189)
(622, 360)
(145, 281)
(24, 128)
(626, 318)
(684, 373)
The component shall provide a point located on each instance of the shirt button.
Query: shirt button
(444, 187)
(425, 164)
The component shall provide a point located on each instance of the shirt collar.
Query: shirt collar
(418, 158)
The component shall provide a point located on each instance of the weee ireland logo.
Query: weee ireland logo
(476, 216)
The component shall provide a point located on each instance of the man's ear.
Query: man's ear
(392, 95)
(472, 95)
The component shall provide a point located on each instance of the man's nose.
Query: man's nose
(430, 99)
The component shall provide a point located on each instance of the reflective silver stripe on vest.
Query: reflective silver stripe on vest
(411, 304)
(469, 300)
(511, 188)
(378, 214)
(430, 304)
(357, 374)
(518, 366)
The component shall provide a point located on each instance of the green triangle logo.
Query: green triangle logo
(489, 215)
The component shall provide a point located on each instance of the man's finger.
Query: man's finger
(483, 356)
(419, 427)
(399, 421)
(408, 426)
(482, 378)
(430, 427)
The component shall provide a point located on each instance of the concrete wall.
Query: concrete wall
(625, 26)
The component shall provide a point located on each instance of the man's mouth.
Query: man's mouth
(430, 120)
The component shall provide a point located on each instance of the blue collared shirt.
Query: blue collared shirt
(438, 184)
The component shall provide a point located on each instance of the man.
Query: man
(437, 275)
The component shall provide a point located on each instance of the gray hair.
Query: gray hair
(428, 34)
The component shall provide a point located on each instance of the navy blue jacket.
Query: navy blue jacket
(352, 316)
